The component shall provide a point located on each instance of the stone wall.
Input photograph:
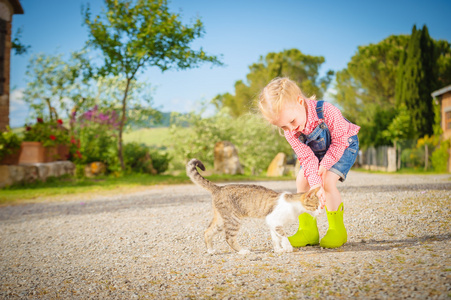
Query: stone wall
(12, 174)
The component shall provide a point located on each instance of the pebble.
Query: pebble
(150, 245)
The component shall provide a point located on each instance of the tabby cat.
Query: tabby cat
(233, 202)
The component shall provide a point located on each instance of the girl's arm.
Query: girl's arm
(338, 127)
(307, 159)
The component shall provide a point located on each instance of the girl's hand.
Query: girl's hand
(322, 173)
(321, 194)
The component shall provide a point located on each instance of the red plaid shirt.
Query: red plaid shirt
(340, 131)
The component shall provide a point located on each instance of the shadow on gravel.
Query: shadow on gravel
(48, 210)
(395, 188)
(370, 245)
(379, 245)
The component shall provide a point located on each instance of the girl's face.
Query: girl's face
(292, 117)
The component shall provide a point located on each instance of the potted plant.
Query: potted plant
(42, 140)
(9, 147)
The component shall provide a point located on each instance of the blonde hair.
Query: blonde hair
(278, 93)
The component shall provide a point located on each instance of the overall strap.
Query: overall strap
(320, 109)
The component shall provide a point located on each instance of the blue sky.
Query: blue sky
(239, 30)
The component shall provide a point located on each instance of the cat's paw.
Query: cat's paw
(286, 245)
(317, 212)
(244, 251)
(211, 251)
(283, 250)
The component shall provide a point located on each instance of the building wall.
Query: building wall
(446, 108)
(6, 15)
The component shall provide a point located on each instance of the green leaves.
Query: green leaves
(133, 35)
(302, 68)
(138, 34)
(56, 85)
(257, 142)
(386, 87)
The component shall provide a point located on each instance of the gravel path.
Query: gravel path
(150, 245)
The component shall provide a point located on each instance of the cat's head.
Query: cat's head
(311, 202)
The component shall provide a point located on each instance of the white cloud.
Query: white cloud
(18, 109)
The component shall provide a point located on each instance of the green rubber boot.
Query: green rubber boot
(307, 233)
(336, 235)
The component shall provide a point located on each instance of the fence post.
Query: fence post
(391, 159)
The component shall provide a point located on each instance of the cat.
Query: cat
(233, 202)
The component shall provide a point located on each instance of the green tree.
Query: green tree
(417, 78)
(16, 44)
(365, 89)
(133, 35)
(55, 86)
(302, 68)
(368, 89)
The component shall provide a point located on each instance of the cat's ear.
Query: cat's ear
(312, 193)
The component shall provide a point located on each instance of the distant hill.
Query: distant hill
(152, 123)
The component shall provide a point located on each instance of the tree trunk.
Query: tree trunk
(52, 112)
(121, 126)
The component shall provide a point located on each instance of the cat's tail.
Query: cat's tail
(193, 174)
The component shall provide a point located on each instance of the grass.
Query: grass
(67, 188)
(150, 136)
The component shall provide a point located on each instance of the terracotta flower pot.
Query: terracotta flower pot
(50, 154)
(63, 152)
(32, 152)
(11, 159)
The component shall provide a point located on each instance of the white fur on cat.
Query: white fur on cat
(284, 213)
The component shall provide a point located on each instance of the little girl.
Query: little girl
(326, 145)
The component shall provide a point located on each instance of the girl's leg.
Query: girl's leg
(333, 198)
(336, 234)
(307, 233)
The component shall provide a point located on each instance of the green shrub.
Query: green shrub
(257, 142)
(416, 157)
(440, 157)
(137, 158)
(141, 159)
(160, 159)
(96, 131)
(9, 142)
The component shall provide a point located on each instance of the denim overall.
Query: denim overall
(319, 141)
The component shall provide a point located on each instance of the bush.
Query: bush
(96, 131)
(438, 154)
(139, 158)
(440, 157)
(9, 142)
(160, 159)
(257, 142)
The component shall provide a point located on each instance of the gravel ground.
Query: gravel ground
(150, 245)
